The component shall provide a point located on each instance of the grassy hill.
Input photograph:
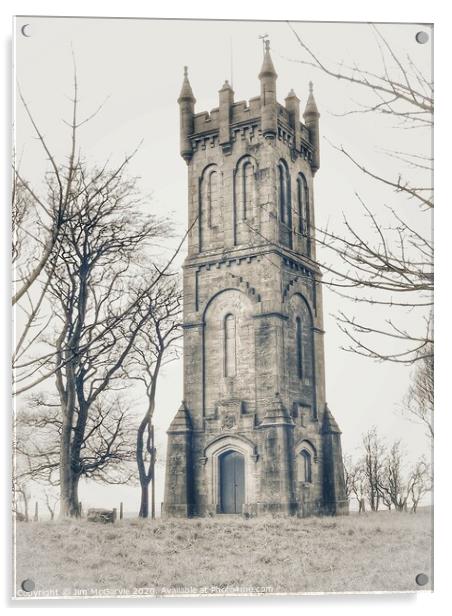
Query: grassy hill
(381, 551)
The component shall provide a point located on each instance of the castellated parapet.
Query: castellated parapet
(245, 121)
(254, 434)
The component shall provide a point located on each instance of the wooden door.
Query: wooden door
(232, 482)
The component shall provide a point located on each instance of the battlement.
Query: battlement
(283, 114)
(241, 112)
(206, 121)
(245, 122)
(246, 110)
(260, 117)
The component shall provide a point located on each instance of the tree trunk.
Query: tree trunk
(146, 427)
(153, 474)
(145, 476)
(65, 476)
(25, 507)
(67, 401)
(68, 482)
(69, 502)
(144, 506)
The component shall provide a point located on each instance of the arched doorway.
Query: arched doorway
(232, 482)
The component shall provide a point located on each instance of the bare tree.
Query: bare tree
(87, 282)
(38, 225)
(420, 483)
(102, 253)
(392, 265)
(348, 474)
(419, 401)
(153, 348)
(21, 500)
(106, 451)
(383, 476)
(373, 464)
(51, 500)
(92, 240)
(393, 484)
(36, 449)
(356, 481)
(39, 218)
(398, 485)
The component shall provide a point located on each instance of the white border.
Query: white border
(347, 10)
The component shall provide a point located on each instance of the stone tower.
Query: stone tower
(254, 433)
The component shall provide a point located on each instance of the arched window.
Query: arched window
(212, 199)
(230, 347)
(303, 205)
(285, 206)
(299, 347)
(306, 466)
(248, 189)
(282, 192)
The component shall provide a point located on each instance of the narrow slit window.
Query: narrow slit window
(299, 348)
(282, 194)
(212, 199)
(300, 205)
(306, 467)
(248, 189)
(303, 205)
(288, 205)
(230, 346)
(307, 214)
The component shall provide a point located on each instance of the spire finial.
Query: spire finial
(226, 86)
(311, 107)
(186, 92)
(267, 70)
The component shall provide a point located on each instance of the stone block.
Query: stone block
(104, 516)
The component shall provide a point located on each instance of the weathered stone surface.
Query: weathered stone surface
(105, 516)
(178, 483)
(253, 324)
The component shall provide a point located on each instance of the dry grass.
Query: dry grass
(372, 552)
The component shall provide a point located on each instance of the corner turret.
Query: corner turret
(277, 429)
(311, 117)
(334, 495)
(186, 102)
(268, 78)
(179, 474)
(226, 102)
(293, 108)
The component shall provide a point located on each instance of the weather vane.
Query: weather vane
(264, 39)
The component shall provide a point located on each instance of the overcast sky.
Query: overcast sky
(138, 65)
